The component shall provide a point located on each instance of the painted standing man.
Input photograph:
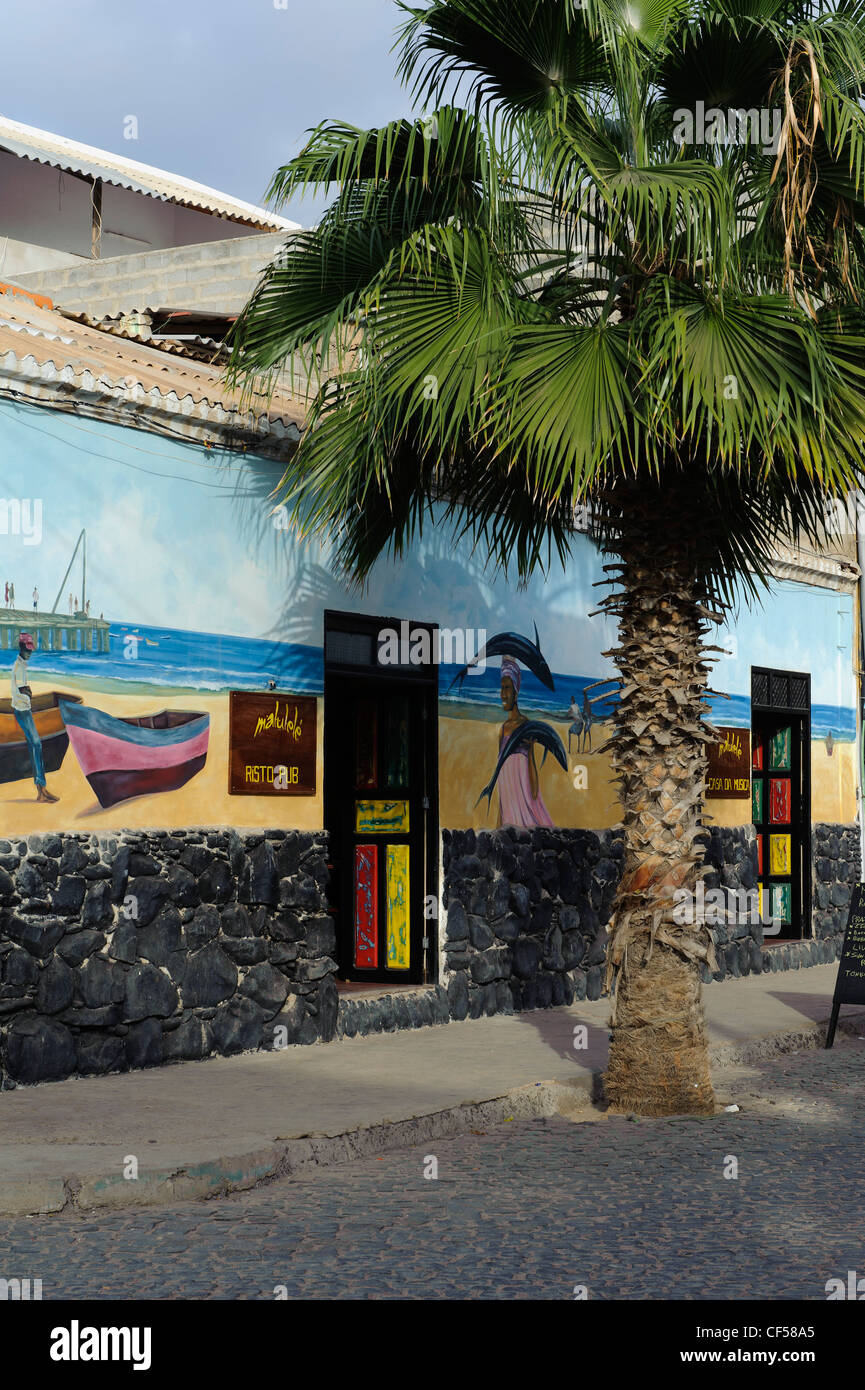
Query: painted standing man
(21, 708)
(520, 801)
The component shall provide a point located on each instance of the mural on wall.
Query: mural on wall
(158, 580)
(516, 771)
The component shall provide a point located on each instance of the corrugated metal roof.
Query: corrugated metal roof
(45, 356)
(43, 148)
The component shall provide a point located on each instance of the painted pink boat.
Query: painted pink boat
(138, 756)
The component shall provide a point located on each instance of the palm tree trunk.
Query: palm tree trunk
(658, 1054)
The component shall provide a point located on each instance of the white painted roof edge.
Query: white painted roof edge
(45, 148)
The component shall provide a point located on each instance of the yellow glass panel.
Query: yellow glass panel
(379, 817)
(780, 854)
(397, 907)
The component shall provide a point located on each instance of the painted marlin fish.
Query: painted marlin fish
(533, 731)
(512, 644)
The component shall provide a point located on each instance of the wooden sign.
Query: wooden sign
(850, 981)
(728, 775)
(272, 744)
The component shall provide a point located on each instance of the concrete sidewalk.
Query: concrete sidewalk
(198, 1129)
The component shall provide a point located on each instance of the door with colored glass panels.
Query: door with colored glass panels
(378, 812)
(777, 812)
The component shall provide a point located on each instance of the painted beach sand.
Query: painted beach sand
(468, 748)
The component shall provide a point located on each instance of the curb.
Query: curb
(45, 1196)
(572, 1099)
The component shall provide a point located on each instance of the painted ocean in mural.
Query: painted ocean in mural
(173, 657)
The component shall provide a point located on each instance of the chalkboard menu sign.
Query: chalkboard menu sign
(850, 984)
(272, 745)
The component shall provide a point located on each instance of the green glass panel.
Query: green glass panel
(396, 767)
(757, 800)
(779, 751)
(782, 899)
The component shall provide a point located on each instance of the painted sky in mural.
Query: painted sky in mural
(181, 547)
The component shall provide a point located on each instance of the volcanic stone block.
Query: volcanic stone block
(38, 935)
(458, 996)
(149, 993)
(480, 934)
(39, 1049)
(301, 893)
(210, 977)
(68, 895)
(492, 965)
(293, 1024)
(259, 881)
(216, 883)
(159, 940)
(143, 1044)
(98, 1053)
(77, 946)
(188, 1043)
(266, 986)
(319, 937)
(148, 896)
(457, 922)
(244, 950)
(101, 982)
(56, 987)
(594, 982)
(526, 957)
(20, 968)
(124, 942)
(237, 1026)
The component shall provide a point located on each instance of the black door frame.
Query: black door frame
(358, 662)
(772, 698)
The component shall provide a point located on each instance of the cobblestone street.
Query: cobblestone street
(630, 1209)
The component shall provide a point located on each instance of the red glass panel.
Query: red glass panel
(779, 800)
(757, 756)
(366, 907)
(366, 765)
(759, 854)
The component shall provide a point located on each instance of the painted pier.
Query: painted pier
(53, 631)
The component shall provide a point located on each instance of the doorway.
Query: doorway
(781, 801)
(380, 801)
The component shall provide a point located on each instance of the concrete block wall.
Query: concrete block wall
(218, 276)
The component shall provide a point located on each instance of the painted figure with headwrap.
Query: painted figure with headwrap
(520, 801)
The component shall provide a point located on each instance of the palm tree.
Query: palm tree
(572, 284)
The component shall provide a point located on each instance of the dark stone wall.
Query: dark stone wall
(130, 950)
(741, 948)
(731, 853)
(136, 949)
(525, 917)
(836, 871)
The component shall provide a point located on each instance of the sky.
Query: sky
(223, 90)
